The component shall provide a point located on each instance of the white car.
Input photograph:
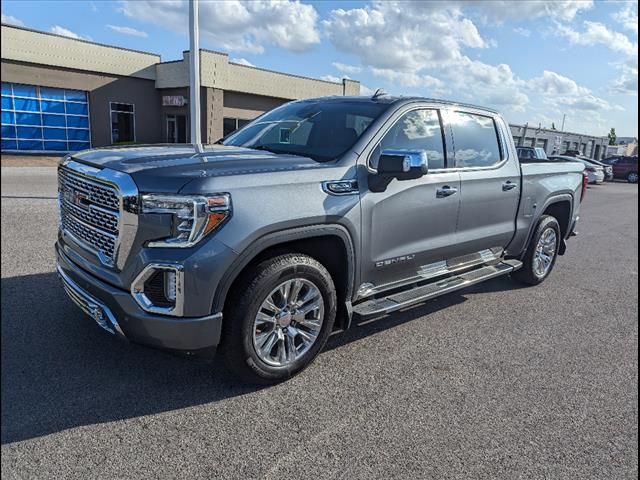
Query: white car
(595, 173)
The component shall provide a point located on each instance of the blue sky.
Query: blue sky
(532, 60)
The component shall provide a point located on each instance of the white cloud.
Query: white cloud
(65, 32)
(332, 78)
(407, 79)
(596, 33)
(344, 68)
(522, 31)
(424, 45)
(236, 25)
(366, 91)
(242, 61)
(627, 83)
(402, 36)
(558, 89)
(627, 16)
(552, 83)
(128, 31)
(11, 20)
(502, 10)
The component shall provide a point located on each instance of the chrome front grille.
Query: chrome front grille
(98, 193)
(89, 212)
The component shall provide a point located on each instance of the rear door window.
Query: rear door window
(475, 140)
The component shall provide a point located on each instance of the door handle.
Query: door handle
(508, 185)
(446, 191)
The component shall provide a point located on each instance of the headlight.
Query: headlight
(194, 216)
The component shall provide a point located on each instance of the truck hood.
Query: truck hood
(166, 168)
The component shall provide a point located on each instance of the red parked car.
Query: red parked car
(624, 167)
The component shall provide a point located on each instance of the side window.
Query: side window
(475, 138)
(416, 130)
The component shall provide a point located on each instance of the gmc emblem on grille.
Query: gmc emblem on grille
(79, 199)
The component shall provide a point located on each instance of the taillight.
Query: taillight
(585, 182)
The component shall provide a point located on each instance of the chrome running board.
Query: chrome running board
(377, 307)
(490, 256)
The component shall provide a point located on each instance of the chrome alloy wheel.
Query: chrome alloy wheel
(545, 252)
(288, 322)
(632, 177)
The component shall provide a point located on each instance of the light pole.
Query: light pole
(564, 116)
(194, 75)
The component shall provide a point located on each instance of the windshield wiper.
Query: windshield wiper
(261, 147)
(280, 152)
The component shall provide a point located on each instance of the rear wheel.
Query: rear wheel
(632, 177)
(542, 252)
(279, 319)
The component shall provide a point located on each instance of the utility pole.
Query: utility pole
(564, 116)
(194, 75)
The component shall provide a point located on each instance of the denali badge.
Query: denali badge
(393, 261)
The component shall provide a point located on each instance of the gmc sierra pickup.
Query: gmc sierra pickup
(318, 215)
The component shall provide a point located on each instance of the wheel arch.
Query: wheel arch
(561, 208)
(331, 245)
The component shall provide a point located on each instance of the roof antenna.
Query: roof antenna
(379, 93)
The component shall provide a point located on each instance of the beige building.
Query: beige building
(63, 94)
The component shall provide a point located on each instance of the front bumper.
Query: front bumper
(116, 311)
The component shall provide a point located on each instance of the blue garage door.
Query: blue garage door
(44, 119)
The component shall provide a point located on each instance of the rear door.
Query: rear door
(489, 180)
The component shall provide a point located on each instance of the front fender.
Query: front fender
(282, 237)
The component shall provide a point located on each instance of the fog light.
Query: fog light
(159, 288)
(170, 285)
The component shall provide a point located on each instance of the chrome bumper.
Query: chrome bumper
(89, 305)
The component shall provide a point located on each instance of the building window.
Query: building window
(528, 141)
(44, 119)
(541, 143)
(565, 146)
(230, 125)
(123, 125)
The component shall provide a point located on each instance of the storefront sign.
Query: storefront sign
(173, 101)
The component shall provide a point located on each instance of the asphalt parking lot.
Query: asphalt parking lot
(498, 381)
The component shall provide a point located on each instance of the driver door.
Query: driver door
(413, 222)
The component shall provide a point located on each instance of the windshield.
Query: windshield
(322, 130)
(540, 153)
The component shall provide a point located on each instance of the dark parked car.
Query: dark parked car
(571, 153)
(531, 154)
(624, 167)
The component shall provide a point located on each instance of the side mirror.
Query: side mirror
(399, 164)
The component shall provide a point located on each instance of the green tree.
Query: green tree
(612, 136)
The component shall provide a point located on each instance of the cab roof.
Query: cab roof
(394, 99)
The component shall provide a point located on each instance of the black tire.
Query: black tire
(632, 177)
(527, 273)
(237, 345)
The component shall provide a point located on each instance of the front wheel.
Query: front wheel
(542, 252)
(279, 318)
(632, 177)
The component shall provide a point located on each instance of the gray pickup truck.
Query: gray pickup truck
(319, 215)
